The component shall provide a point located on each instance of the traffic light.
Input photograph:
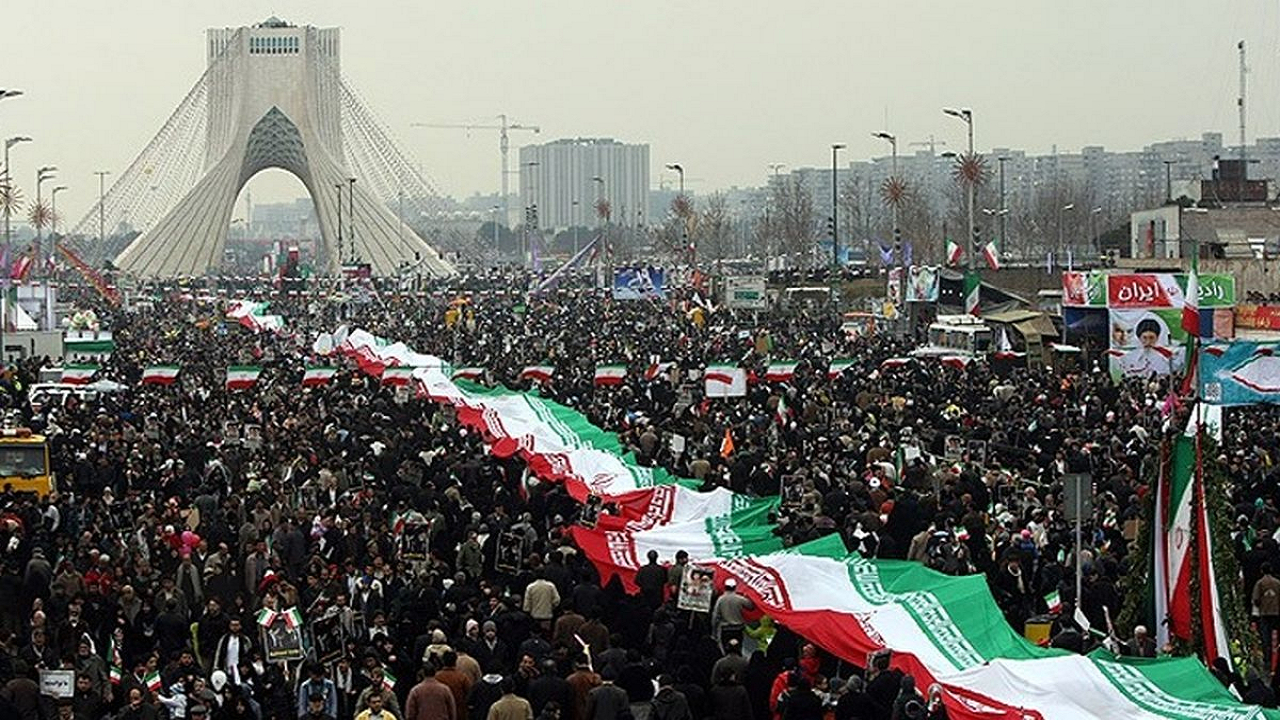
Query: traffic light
(831, 226)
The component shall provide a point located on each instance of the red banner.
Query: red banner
(1259, 317)
(1140, 290)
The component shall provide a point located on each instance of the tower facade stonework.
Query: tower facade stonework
(275, 102)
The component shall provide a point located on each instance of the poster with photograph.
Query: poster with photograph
(414, 543)
(510, 552)
(282, 642)
(253, 437)
(327, 638)
(589, 514)
(696, 589)
(978, 452)
(1146, 342)
(953, 447)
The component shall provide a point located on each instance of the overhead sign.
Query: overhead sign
(1131, 291)
(746, 292)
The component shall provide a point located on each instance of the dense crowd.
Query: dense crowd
(186, 514)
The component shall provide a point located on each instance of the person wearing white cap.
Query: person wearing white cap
(726, 615)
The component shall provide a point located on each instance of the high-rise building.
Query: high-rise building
(558, 178)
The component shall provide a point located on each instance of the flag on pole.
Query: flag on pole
(886, 254)
(265, 617)
(242, 377)
(992, 254)
(780, 372)
(783, 411)
(317, 376)
(537, 373)
(388, 680)
(152, 681)
(656, 369)
(160, 374)
(116, 671)
(292, 617)
(838, 366)
(726, 445)
(78, 374)
(1054, 601)
(722, 380)
(972, 288)
(954, 251)
(1191, 305)
(610, 374)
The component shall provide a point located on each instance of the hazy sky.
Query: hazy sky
(723, 87)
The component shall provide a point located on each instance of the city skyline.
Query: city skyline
(725, 105)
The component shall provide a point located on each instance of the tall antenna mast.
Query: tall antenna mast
(1244, 69)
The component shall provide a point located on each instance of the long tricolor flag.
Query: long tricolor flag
(537, 373)
(838, 366)
(242, 377)
(83, 343)
(940, 629)
(673, 505)
(610, 374)
(948, 630)
(971, 290)
(397, 376)
(954, 252)
(732, 534)
(160, 374)
(318, 375)
(1191, 305)
(78, 374)
(780, 371)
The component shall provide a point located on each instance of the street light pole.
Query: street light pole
(530, 215)
(893, 207)
(1003, 210)
(835, 209)
(966, 115)
(45, 173)
(8, 184)
(351, 206)
(53, 218)
(1061, 247)
(338, 187)
(1168, 180)
(576, 223)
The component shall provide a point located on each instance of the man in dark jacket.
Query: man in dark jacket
(669, 703)
(728, 699)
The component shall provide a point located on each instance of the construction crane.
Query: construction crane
(503, 127)
(931, 144)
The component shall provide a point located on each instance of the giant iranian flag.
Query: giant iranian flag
(949, 630)
(674, 504)
(622, 552)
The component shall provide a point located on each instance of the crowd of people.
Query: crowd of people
(246, 554)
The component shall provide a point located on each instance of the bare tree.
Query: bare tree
(712, 229)
(794, 220)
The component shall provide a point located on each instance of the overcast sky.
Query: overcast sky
(724, 87)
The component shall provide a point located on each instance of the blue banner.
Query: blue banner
(639, 284)
(1240, 373)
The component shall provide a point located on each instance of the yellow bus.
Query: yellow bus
(24, 462)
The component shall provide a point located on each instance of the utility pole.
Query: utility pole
(1244, 69)
(351, 206)
(1003, 210)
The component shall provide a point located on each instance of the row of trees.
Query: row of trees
(791, 223)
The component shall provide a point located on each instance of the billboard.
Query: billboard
(1144, 290)
(1258, 317)
(643, 283)
(893, 290)
(922, 283)
(746, 292)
